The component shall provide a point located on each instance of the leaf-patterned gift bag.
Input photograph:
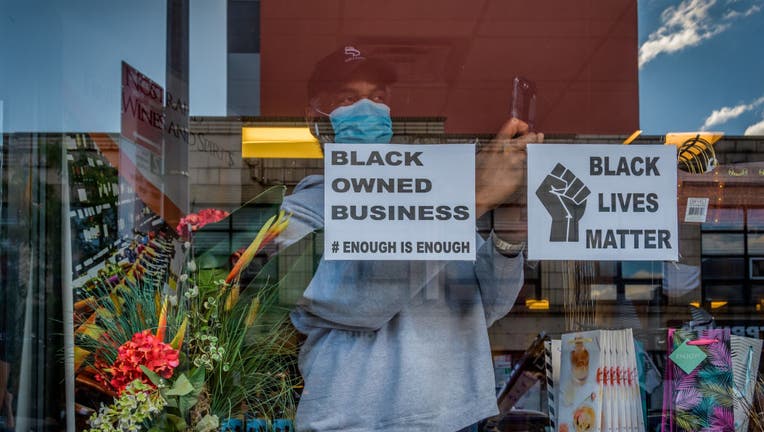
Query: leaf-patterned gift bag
(698, 395)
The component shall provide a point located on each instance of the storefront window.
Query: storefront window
(245, 215)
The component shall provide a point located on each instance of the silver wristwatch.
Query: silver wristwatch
(506, 248)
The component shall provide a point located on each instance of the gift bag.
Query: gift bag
(746, 353)
(698, 392)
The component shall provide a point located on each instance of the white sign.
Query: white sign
(399, 202)
(602, 202)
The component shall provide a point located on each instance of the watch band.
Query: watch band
(506, 248)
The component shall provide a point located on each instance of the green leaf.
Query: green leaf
(185, 403)
(181, 387)
(687, 421)
(178, 422)
(197, 379)
(153, 377)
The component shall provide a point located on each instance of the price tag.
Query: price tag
(687, 357)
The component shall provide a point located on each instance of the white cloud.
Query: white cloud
(725, 114)
(732, 14)
(688, 24)
(755, 129)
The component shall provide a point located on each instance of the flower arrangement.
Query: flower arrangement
(196, 221)
(185, 355)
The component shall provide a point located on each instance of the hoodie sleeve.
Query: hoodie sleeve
(500, 279)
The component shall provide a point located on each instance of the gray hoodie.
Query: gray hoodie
(397, 345)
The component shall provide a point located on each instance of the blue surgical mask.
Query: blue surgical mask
(362, 122)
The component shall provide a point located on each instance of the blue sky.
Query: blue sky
(61, 59)
(701, 62)
(701, 66)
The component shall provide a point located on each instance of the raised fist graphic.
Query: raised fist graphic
(564, 197)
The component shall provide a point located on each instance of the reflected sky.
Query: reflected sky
(61, 60)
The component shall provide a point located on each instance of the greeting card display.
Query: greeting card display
(598, 388)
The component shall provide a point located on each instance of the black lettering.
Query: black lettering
(461, 213)
(377, 212)
(363, 185)
(652, 202)
(375, 159)
(413, 158)
(339, 212)
(609, 240)
(358, 212)
(663, 239)
(635, 170)
(409, 212)
(636, 234)
(423, 185)
(624, 201)
(602, 208)
(340, 185)
(339, 157)
(623, 167)
(405, 185)
(622, 233)
(651, 166)
(443, 212)
(639, 203)
(593, 239)
(649, 239)
(595, 165)
(388, 186)
(391, 160)
(425, 213)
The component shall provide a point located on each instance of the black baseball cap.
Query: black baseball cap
(346, 64)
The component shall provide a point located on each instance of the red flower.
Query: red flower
(144, 349)
(196, 221)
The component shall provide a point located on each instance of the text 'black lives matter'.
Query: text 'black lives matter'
(627, 202)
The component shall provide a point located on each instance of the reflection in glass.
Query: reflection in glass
(730, 293)
(604, 292)
(757, 293)
(723, 244)
(642, 270)
(607, 268)
(681, 281)
(640, 291)
(756, 219)
(757, 268)
(723, 268)
(756, 244)
(724, 219)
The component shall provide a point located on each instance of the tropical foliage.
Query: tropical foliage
(174, 352)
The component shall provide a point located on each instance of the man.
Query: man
(399, 345)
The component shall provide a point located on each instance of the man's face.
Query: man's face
(350, 93)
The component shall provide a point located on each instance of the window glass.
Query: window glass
(166, 179)
(756, 219)
(642, 270)
(724, 219)
(723, 268)
(604, 292)
(732, 293)
(757, 268)
(723, 244)
(756, 244)
(641, 291)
